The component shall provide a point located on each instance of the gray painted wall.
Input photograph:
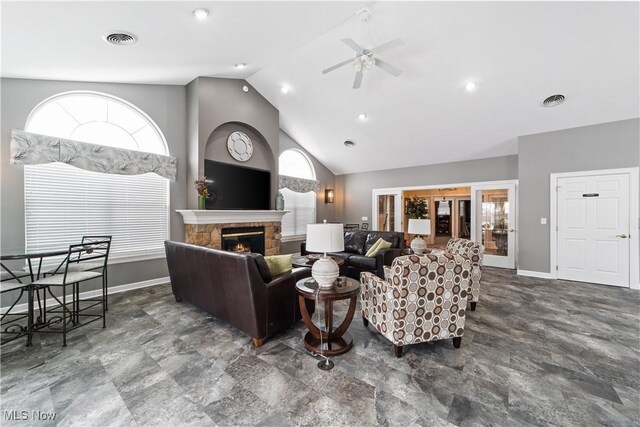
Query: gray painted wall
(217, 102)
(327, 180)
(166, 105)
(604, 146)
(353, 191)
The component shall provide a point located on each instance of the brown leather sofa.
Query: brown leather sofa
(356, 245)
(235, 287)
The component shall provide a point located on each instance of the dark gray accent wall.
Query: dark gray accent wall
(603, 146)
(166, 105)
(354, 190)
(216, 106)
(327, 180)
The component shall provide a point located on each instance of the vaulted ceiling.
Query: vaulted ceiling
(517, 54)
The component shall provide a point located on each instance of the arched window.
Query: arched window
(63, 203)
(302, 205)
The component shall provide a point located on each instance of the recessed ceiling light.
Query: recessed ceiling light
(201, 13)
(553, 100)
(245, 88)
(285, 89)
(240, 65)
(362, 116)
(349, 143)
(470, 87)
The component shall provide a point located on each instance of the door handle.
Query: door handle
(512, 231)
(622, 236)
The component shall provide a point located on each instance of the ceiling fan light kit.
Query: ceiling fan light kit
(364, 59)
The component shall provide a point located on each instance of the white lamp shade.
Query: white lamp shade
(325, 237)
(420, 226)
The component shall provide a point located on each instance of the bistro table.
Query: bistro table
(328, 341)
(21, 280)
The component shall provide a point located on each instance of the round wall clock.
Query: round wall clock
(240, 146)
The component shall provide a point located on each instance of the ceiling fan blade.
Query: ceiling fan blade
(395, 72)
(341, 64)
(353, 45)
(358, 80)
(388, 45)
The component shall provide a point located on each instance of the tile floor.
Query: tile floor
(535, 352)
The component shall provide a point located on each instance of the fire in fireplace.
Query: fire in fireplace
(243, 239)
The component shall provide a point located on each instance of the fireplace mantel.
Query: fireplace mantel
(199, 217)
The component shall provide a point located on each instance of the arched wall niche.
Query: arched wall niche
(216, 147)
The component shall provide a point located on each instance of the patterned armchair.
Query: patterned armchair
(424, 299)
(475, 252)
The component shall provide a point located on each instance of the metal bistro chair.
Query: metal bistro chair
(105, 246)
(84, 261)
(11, 282)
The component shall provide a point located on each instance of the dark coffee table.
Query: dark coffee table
(328, 340)
(308, 260)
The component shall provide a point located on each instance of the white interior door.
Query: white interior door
(493, 222)
(386, 210)
(593, 229)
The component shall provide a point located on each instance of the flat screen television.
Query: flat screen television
(237, 187)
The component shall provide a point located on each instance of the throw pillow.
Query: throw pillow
(279, 264)
(380, 244)
(263, 267)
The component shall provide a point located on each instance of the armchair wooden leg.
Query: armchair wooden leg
(473, 305)
(257, 342)
(397, 349)
(457, 341)
(365, 321)
(178, 299)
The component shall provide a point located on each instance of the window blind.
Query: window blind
(64, 203)
(303, 212)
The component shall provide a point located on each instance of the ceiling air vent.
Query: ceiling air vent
(553, 101)
(119, 38)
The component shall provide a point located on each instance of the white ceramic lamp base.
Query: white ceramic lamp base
(325, 271)
(418, 245)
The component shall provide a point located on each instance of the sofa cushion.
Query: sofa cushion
(362, 262)
(380, 244)
(279, 264)
(354, 242)
(263, 268)
(373, 237)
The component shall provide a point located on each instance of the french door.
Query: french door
(494, 221)
(387, 212)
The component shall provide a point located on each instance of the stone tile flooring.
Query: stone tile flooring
(535, 352)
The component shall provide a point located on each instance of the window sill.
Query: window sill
(124, 259)
(297, 238)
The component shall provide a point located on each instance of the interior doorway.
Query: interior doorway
(449, 210)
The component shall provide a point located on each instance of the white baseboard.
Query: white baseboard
(538, 274)
(22, 308)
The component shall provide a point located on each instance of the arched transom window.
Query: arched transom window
(64, 203)
(295, 163)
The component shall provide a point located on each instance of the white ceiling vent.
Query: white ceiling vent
(553, 100)
(119, 38)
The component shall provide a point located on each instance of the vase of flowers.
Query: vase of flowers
(203, 192)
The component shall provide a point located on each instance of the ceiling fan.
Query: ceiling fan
(365, 60)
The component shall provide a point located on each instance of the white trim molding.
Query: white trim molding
(538, 274)
(200, 217)
(22, 308)
(634, 219)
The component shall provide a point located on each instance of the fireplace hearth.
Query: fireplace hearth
(243, 239)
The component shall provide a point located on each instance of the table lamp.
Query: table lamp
(325, 238)
(419, 227)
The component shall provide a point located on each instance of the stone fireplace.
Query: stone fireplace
(243, 239)
(206, 227)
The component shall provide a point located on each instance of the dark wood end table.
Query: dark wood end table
(328, 340)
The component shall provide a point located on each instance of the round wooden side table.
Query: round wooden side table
(328, 340)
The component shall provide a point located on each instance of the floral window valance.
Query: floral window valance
(33, 149)
(299, 185)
